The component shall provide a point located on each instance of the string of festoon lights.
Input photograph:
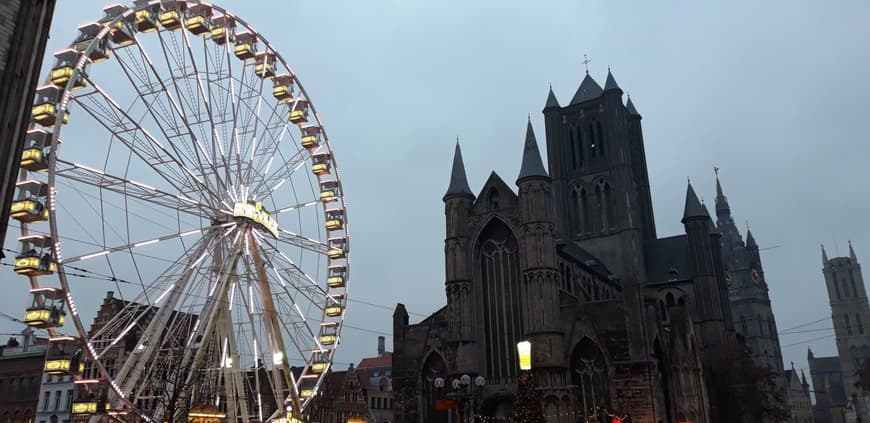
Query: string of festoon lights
(614, 416)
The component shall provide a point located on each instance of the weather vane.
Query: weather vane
(586, 62)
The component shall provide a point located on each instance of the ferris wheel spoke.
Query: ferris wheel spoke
(139, 141)
(178, 71)
(296, 240)
(166, 116)
(142, 243)
(281, 174)
(83, 174)
(285, 209)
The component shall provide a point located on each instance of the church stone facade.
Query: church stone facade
(621, 322)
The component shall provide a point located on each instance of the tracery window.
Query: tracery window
(590, 376)
(497, 269)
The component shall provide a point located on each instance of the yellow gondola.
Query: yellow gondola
(33, 159)
(33, 266)
(87, 407)
(28, 211)
(319, 366)
(335, 281)
(244, 51)
(197, 25)
(170, 20)
(335, 253)
(120, 35)
(60, 75)
(334, 311)
(320, 168)
(334, 224)
(145, 21)
(44, 114)
(327, 195)
(44, 317)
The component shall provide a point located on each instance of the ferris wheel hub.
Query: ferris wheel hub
(252, 211)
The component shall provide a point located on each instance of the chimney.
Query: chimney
(28, 338)
(382, 349)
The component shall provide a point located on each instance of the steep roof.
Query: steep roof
(589, 89)
(551, 100)
(532, 164)
(611, 84)
(630, 107)
(750, 240)
(458, 181)
(693, 206)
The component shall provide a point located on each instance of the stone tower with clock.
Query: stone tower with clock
(747, 289)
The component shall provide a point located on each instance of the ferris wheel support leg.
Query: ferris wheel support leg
(236, 398)
(209, 316)
(273, 324)
(135, 364)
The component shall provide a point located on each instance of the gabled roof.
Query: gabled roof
(458, 181)
(589, 90)
(532, 164)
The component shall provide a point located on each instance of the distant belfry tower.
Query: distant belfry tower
(747, 289)
(850, 314)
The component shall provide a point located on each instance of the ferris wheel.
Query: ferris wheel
(194, 173)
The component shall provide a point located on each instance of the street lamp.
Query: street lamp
(463, 390)
(524, 353)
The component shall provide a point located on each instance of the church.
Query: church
(621, 322)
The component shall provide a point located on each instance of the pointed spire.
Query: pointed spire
(551, 100)
(750, 240)
(722, 207)
(803, 378)
(712, 226)
(693, 207)
(458, 181)
(589, 90)
(611, 84)
(852, 252)
(809, 350)
(532, 164)
(824, 255)
(630, 107)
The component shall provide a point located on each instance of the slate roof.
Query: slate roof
(458, 181)
(551, 100)
(663, 254)
(376, 362)
(611, 84)
(532, 164)
(630, 107)
(693, 205)
(571, 249)
(826, 365)
(589, 90)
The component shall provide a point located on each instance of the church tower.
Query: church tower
(540, 277)
(601, 188)
(850, 314)
(457, 207)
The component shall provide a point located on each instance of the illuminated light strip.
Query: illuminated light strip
(298, 206)
(203, 151)
(61, 338)
(280, 279)
(298, 310)
(191, 232)
(189, 200)
(297, 267)
(88, 168)
(140, 244)
(275, 188)
(232, 295)
(90, 256)
(268, 165)
(200, 259)
(251, 297)
(118, 338)
(167, 291)
(141, 185)
(82, 381)
(193, 333)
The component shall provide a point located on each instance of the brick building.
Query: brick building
(21, 367)
(379, 384)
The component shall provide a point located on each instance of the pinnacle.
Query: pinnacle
(458, 181)
(532, 164)
(693, 206)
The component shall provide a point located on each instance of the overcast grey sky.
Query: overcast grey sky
(775, 93)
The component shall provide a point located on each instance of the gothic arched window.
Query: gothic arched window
(573, 145)
(590, 376)
(575, 212)
(848, 324)
(600, 138)
(608, 204)
(599, 208)
(837, 288)
(497, 270)
(585, 211)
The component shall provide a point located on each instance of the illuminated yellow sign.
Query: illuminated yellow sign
(256, 213)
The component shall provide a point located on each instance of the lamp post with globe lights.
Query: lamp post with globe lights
(464, 394)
